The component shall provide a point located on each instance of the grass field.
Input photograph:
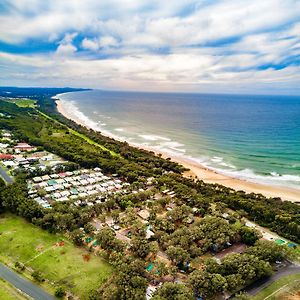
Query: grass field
(23, 102)
(38, 249)
(286, 285)
(7, 292)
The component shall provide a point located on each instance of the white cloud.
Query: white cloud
(134, 34)
(107, 41)
(174, 72)
(65, 49)
(90, 44)
(96, 44)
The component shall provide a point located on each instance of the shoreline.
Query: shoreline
(205, 174)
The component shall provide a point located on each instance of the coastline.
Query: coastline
(208, 175)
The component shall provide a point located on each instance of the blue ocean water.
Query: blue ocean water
(256, 138)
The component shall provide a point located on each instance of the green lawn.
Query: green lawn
(7, 292)
(62, 265)
(23, 102)
(284, 284)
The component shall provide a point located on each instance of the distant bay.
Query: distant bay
(256, 138)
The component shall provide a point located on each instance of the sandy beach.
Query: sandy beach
(211, 176)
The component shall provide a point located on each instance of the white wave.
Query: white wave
(172, 144)
(224, 164)
(217, 159)
(74, 112)
(150, 137)
(119, 129)
(275, 179)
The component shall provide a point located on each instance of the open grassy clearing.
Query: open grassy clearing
(7, 292)
(82, 136)
(64, 265)
(23, 102)
(283, 285)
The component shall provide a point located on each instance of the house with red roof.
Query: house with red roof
(6, 156)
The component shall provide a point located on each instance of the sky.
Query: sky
(232, 46)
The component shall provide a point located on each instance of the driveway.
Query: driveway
(24, 285)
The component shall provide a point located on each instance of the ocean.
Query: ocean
(255, 138)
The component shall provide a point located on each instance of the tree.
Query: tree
(179, 213)
(268, 251)
(177, 255)
(173, 291)
(140, 247)
(89, 228)
(249, 235)
(248, 266)
(107, 240)
(77, 237)
(234, 282)
(37, 275)
(206, 284)
(131, 282)
(59, 292)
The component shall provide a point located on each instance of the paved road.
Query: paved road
(259, 285)
(24, 285)
(4, 175)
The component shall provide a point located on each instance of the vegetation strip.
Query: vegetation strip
(81, 135)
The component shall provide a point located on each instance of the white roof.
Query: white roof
(149, 234)
(62, 199)
(91, 180)
(9, 163)
(49, 188)
(3, 145)
(65, 193)
(37, 179)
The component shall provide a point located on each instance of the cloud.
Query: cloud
(90, 44)
(170, 45)
(66, 47)
(96, 44)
